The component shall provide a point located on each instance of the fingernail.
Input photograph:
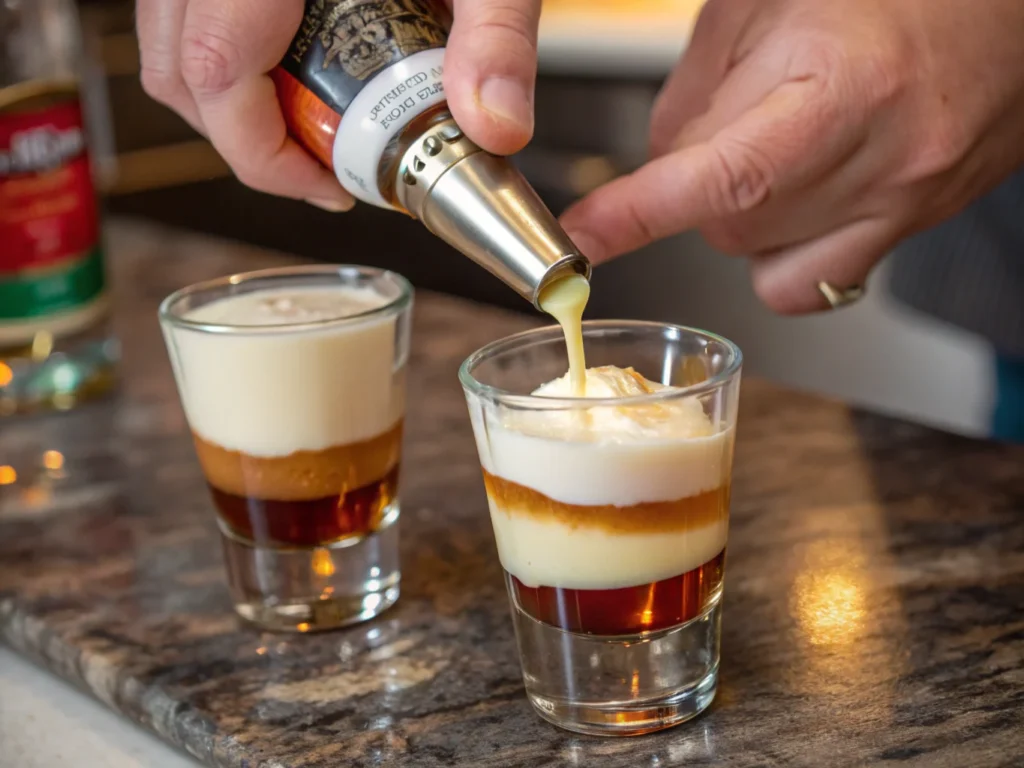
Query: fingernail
(333, 206)
(507, 99)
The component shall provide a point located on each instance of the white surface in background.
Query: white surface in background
(876, 354)
(46, 723)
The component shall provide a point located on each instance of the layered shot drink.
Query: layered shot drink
(293, 384)
(610, 515)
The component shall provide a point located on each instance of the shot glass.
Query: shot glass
(293, 385)
(612, 540)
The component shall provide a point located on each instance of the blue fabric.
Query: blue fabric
(1008, 414)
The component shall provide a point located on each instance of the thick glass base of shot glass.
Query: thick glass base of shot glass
(302, 589)
(622, 685)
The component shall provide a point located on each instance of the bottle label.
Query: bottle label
(343, 44)
(378, 113)
(50, 255)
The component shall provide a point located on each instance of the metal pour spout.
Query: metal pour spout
(482, 205)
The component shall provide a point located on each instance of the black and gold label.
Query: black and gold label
(342, 44)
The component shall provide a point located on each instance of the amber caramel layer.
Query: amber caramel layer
(303, 475)
(651, 517)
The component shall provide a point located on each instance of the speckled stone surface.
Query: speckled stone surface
(874, 609)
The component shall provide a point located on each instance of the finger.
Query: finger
(159, 24)
(227, 47)
(708, 57)
(773, 148)
(787, 281)
(491, 70)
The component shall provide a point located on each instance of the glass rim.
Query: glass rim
(394, 306)
(548, 332)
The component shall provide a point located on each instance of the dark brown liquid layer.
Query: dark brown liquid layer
(628, 610)
(308, 523)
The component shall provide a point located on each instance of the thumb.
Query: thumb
(490, 71)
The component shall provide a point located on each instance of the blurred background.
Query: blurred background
(602, 62)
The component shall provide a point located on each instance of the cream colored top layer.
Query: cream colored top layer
(274, 392)
(619, 455)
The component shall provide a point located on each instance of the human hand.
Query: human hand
(209, 61)
(813, 135)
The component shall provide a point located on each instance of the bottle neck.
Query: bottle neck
(390, 164)
(481, 205)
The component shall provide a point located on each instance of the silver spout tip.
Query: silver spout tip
(573, 264)
(484, 207)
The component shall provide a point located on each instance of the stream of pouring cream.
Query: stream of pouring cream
(565, 300)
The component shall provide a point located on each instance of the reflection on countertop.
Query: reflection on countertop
(872, 610)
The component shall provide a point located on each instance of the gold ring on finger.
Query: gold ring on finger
(840, 297)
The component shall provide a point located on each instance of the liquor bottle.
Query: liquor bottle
(361, 89)
(55, 345)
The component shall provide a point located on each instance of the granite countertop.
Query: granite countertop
(873, 609)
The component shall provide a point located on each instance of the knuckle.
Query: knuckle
(742, 178)
(884, 77)
(862, 74)
(945, 144)
(210, 58)
(814, 55)
(877, 82)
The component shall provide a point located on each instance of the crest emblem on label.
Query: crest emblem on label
(343, 43)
